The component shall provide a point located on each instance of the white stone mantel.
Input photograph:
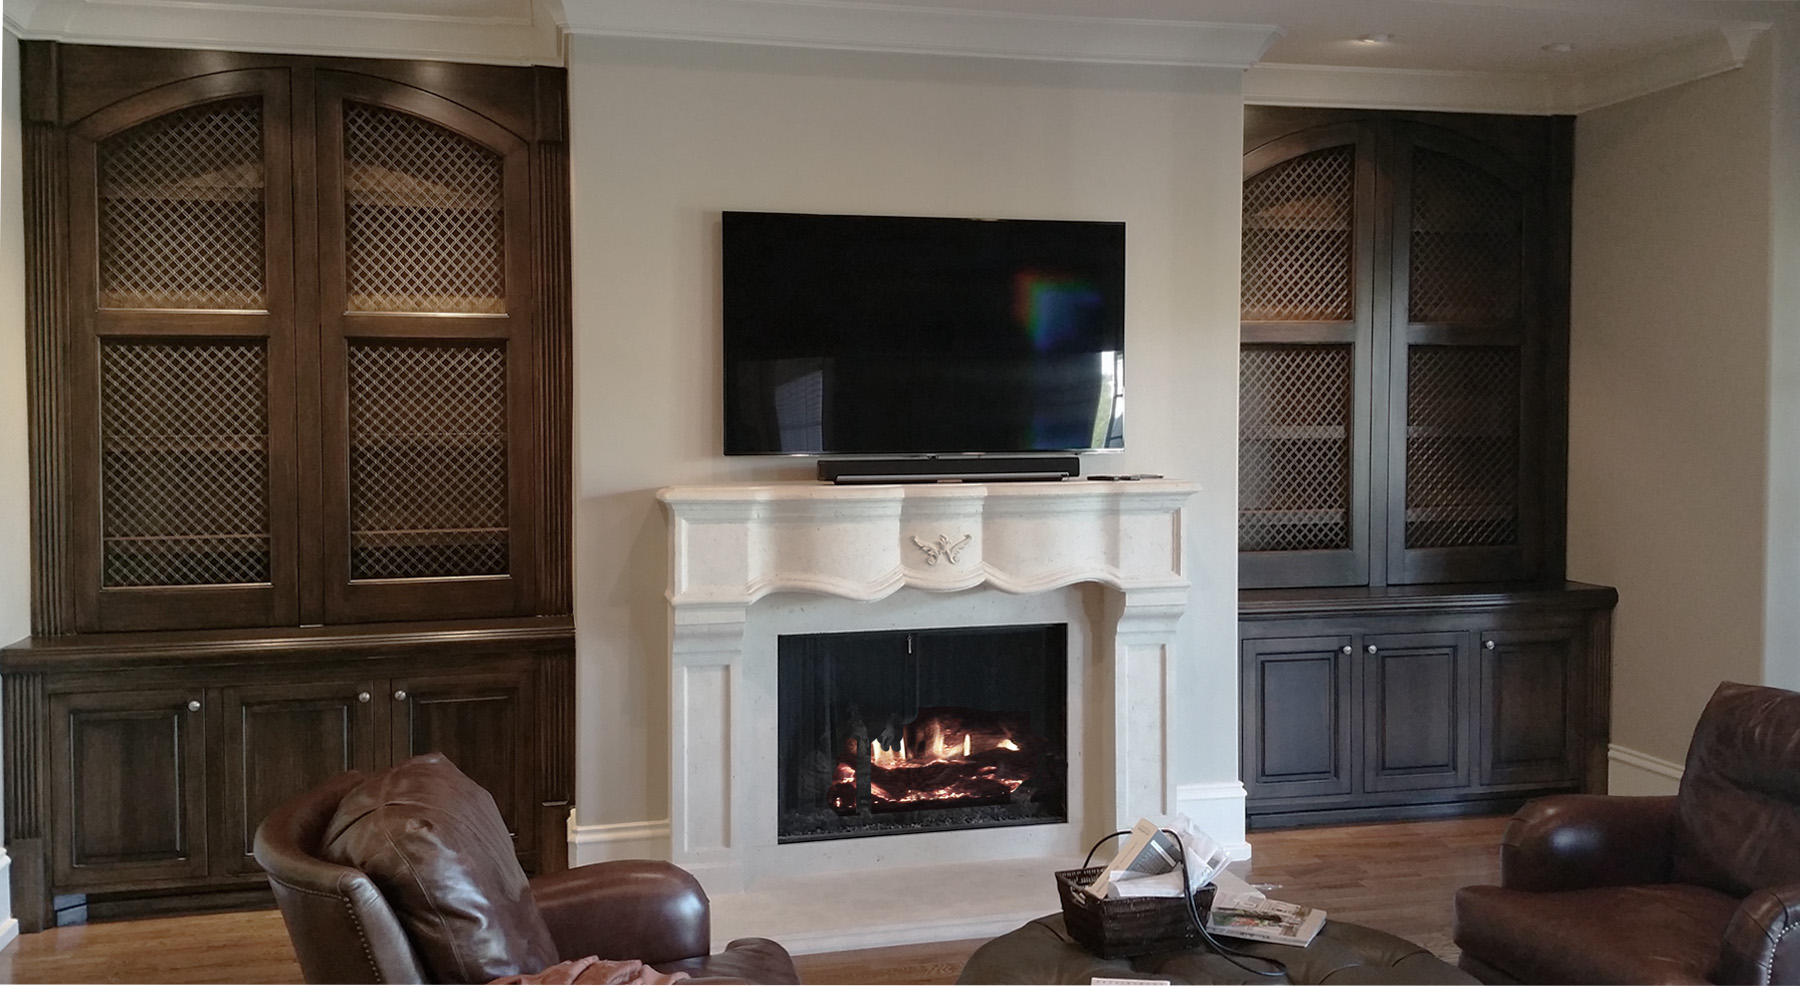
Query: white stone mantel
(732, 545)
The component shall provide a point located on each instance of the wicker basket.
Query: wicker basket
(1118, 927)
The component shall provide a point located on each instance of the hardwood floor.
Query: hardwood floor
(1397, 877)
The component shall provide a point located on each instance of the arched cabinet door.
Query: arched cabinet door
(1466, 371)
(1308, 308)
(180, 336)
(425, 350)
(1403, 361)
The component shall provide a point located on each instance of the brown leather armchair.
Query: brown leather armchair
(444, 900)
(1700, 887)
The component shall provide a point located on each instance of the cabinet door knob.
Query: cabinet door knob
(1489, 644)
(193, 705)
(1372, 648)
(400, 695)
(1347, 649)
(363, 697)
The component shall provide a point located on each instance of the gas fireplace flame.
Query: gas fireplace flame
(945, 756)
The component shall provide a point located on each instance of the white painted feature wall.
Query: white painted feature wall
(665, 135)
(1669, 428)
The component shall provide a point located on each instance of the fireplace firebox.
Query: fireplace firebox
(903, 731)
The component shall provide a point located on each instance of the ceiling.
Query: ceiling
(1438, 35)
(1518, 55)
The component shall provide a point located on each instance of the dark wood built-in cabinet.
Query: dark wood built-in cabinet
(1361, 704)
(299, 333)
(1408, 646)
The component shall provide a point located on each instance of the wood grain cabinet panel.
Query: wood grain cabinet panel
(1532, 696)
(1297, 701)
(1416, 705)
(280, 740)
(481, 723)
(129, 786)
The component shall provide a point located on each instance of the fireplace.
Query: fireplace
(755, 563)
(898, 732)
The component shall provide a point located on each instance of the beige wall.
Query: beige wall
(15, 502)
(1781, 619)
(665, 135)
(1670, 394)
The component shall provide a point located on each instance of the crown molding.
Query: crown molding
(1708, 54)
(1719, 51)
(1399, 89)
(527, 37)
(893, 28)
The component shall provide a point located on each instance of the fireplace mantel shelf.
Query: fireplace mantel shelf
(733, 544)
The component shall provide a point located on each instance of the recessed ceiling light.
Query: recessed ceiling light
(1376, 39)
(1559, 47)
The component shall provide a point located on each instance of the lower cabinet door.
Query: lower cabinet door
(1530, 701)
(1417, 703)
(483, 723)
(280, 740)
(1296, 712)
(128, 788)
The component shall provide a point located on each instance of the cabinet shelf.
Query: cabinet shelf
(175, 444)
(1269, 516)
(1299, 433)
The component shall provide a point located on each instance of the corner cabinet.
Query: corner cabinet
(299, 344)
(1408, 645)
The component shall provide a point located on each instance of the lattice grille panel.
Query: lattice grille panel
(423, 217)
(428, 492)
(181, 211)
(1297, 239)
(1294, 422)
(1462, 446)
(184, 464)
(1467, 243)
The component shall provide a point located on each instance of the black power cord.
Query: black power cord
(1224, 951)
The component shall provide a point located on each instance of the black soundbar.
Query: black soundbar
(930, 469)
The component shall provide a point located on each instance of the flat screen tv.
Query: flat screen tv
(890, 335)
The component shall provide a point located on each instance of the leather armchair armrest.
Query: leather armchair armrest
(626, 909)
(1570, 841)
(1759, 947)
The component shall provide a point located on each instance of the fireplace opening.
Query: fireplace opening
(890, 732)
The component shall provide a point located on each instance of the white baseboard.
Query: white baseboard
(1218, 809)
(1632, 772)
(619, 840)
(9, 925)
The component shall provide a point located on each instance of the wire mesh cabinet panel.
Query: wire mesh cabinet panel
(425, 355)
(307, 321)
(1471, 378)
(1402, 385)
(181, 325)
(1303, 371)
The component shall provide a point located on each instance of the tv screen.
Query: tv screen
(901, 335)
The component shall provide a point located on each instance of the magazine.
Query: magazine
(1147, 851)
(1266, 920)
(1149, 862)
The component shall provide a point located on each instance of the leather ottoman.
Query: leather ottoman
(1042, 952)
